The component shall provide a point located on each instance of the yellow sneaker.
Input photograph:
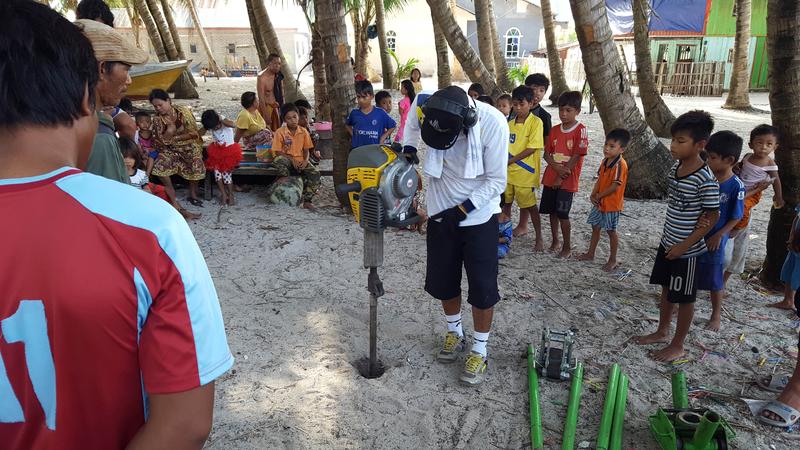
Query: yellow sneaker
(452, 347)
(474, 369)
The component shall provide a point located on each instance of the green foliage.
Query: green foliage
(517, 74)
(403, 69)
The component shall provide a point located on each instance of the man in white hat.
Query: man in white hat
(115, 56)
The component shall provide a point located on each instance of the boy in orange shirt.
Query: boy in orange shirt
(608, 196)
(293, 143)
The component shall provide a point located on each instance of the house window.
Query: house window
(513, 37)
(232, 48)
(391, 40)
(685, 53)
(193, 48)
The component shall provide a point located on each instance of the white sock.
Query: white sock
(454, 324)
(479, 341)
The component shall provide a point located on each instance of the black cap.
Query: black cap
(443, 117)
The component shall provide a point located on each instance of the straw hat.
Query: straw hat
(109, 45)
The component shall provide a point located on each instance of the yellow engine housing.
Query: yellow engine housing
(366, 165)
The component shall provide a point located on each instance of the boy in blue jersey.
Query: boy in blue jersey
(368, 124)
(693, 193)
(723, 150)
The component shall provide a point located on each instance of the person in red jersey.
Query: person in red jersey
(111, 334)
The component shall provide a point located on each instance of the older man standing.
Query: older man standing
(466, 166)
(115, 56)
(269, 86)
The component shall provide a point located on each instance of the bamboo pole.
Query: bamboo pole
(568, 441)
(537, 440)
(619, 414)
(604, 434)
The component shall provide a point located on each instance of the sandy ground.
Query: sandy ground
(293, 294)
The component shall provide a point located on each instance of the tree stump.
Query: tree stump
(286, 191)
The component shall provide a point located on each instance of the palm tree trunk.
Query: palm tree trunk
(339, 74)
(484, 27)
(361, 16)
(152, 29)
(322, 105)
(500, 66)
(212, 63)
(647, 157)
(656, 112)
(270, 37)
(163, 29)
(739, 94)
(783, 46)
(476, 71)
(386, 62)
(172, 28)
(261, 47)
(136, 22)
(557, 78)
(442, 57)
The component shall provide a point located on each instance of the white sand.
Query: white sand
(293, 293)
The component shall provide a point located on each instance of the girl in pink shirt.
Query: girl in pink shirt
(407, 89)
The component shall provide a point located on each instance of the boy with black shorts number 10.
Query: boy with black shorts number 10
(566, 146)
(693, 194)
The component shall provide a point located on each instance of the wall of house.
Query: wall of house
(519, 14)
(722, 22)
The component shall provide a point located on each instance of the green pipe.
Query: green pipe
(568, 441)
(619, 413)
(705, 431)
(680, 393)
(608, 409)
(537, 440)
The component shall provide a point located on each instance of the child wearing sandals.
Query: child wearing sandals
(224, 154)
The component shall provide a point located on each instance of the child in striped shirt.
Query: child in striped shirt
(693, 193)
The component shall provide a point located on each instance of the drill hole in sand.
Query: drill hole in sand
(362, 365)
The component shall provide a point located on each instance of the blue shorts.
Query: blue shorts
(709, 276)
(791, 270)
(603, 220)
(153, 154)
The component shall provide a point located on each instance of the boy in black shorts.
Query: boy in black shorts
(693, 193)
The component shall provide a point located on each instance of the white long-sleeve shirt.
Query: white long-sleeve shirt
(451, 188)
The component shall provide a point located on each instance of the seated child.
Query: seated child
(133, 164)
(506, 235)
(314, 154)
(504, 105)
(292, 144)
(566, 146)
(224, 154)
(693, 193)
(524, 163)
(757, 171)
(608, 196)
(723, 150)
(144, 139)
(367, 124)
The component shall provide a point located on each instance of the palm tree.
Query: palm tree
(386, 63)
(163, 29)
(783, 46)
(361, 14)
(212, 63)
(647, 157)
(270, 38)
(322, 107)
(557, 78)
(173, 29)
(339, 74)
(500, 66)
(261, 47)
(442, 57)
(485, 37)
(152, 29)
(463, 51)
(739, 93)
(656, 112)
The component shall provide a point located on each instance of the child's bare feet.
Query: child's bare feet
(714, 323)
(586, 257)
(669, 353)
(785, 304)
(565, 252)
(554, 247)
(538, 246)
(653, 338)
(308, 206)
(520, 231)
(611, 265)
(187, 215)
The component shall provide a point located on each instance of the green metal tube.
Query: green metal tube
(619, 413)
(604, 434)
(571, 422)
(680, 393)
(537, 440)
(705, 431)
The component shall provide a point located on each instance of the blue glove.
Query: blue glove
(411, 154)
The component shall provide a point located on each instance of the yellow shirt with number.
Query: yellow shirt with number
(529, 134)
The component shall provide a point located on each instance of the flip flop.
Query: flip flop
(195, 201)
(782, 410)
(773, 383)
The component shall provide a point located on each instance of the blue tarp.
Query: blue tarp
(666, 15)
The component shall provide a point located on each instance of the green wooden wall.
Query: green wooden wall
(722, 22)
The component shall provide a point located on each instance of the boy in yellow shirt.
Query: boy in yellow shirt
(526, 142)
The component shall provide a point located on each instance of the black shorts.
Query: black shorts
(556, 201)
(679, 276)
(474, 247)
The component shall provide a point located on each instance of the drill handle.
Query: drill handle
(342, 189)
